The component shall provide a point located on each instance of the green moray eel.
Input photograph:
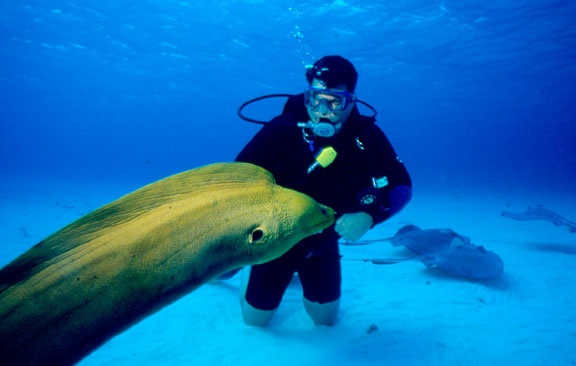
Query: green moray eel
(101, 274)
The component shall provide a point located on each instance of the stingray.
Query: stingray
(540, 213)
(444, 249)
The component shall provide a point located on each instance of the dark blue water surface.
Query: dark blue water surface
(472, 93)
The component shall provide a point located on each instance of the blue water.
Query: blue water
(472, 94)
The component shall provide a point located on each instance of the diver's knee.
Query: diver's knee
(251, 315)
(323, 314)
(256, 317)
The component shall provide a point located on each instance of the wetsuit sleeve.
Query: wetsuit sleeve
(391, 186)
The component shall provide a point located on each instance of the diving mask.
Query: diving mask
(335, 101)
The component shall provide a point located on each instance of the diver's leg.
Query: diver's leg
(323, 314)
(262, 289)
(321, 278)
(251, 315)
(256, 317)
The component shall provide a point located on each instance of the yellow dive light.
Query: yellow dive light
(324, 158)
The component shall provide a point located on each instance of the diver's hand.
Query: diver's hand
(353, 226)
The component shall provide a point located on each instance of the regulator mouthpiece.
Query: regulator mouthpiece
(322, 129)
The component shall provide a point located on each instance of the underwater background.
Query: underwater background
(472, 94)
(100, 97)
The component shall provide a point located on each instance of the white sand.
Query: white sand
(401, 314)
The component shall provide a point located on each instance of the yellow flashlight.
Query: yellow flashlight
(324, 158)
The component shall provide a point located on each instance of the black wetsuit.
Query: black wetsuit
(366, 176)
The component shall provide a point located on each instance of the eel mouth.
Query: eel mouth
(329, 218)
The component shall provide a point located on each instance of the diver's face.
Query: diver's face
(323, 109)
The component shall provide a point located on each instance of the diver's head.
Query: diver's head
(333, 71)
(330, 96)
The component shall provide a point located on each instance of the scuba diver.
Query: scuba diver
(322, 146)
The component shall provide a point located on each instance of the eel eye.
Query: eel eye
(256, 235)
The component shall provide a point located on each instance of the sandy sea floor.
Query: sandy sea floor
(400, 314)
